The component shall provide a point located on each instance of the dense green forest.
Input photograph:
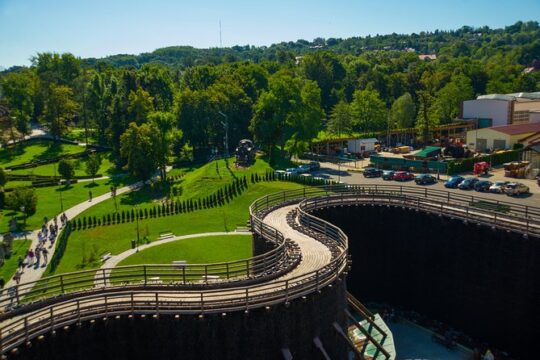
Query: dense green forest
(174, 102)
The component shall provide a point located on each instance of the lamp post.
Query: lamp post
(226, 138)
(23, 210)
(137, 221)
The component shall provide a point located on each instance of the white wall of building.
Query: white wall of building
(497, 110)
(357, 146)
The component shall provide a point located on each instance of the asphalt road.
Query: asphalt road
(331, 171)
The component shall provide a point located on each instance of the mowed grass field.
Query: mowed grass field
(201, 250)
(196, 183)
(49, 200)
(92, 243)
(107, 168)
(36, 150)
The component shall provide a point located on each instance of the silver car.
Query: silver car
(498, 187)
(515, 189)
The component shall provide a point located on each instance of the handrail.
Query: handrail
(79, 303)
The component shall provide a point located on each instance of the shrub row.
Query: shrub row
(218, 198)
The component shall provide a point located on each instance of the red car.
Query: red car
(403, 176)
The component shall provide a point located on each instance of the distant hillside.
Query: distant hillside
(522, 37)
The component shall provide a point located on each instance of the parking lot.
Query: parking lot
(341, 173)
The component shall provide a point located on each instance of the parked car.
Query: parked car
(388, 174)
(424, 179)
(372, 172)
(291, 171)
(515, 189)
(314, 165)
(403, 176)
(498, 187)
(453, 182)
(303, 169)
(468, 183)
(482, 185)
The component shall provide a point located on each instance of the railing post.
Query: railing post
(1, 341)
(78, 312)
(51, 315)
(247, 298)
(104, 278)
(247, 267)
(157, 303)
(132, 303)
(206, 273)
(227, 268)
(26, 329)
(144, 272)
(184, 273)
(62, 284)
(106, 305)
(202, 302)
(17, 297)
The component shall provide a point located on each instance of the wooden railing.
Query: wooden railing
(71, 298)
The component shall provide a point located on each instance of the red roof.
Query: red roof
(518, 128)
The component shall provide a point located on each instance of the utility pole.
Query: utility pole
(226, 138)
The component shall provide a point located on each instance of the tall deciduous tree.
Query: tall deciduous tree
(66, 169)
(140, 105)
(92, 165)
(59, 109)
(341, 119)
(20, 197)
(137, 148)
(369, 111)
(162, 139)
(403, 112)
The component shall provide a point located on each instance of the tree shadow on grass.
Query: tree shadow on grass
(91, 185)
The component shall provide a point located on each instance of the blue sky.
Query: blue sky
(99, 28)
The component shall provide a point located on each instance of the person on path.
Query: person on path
(17, 276)
(20, 262)
(89, 195)
(45, 254)
(30, 258)
(37, 253)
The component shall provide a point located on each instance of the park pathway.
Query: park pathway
(32, 273)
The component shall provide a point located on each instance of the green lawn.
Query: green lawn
(49, 200)
(107, 168)
(202, 250)
(36, 150)
(7, 270)
(85, 246)
(196, 183)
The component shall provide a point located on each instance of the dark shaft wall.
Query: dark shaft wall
(481, 281)
(259, 335)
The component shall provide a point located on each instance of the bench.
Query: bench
(179, 263)
(154, 280)
(106, 256)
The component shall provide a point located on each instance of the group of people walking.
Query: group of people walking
(39, 256)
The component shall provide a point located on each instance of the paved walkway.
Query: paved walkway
(32, 274)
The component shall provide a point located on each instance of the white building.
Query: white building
(358, 146)
(502, 109)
